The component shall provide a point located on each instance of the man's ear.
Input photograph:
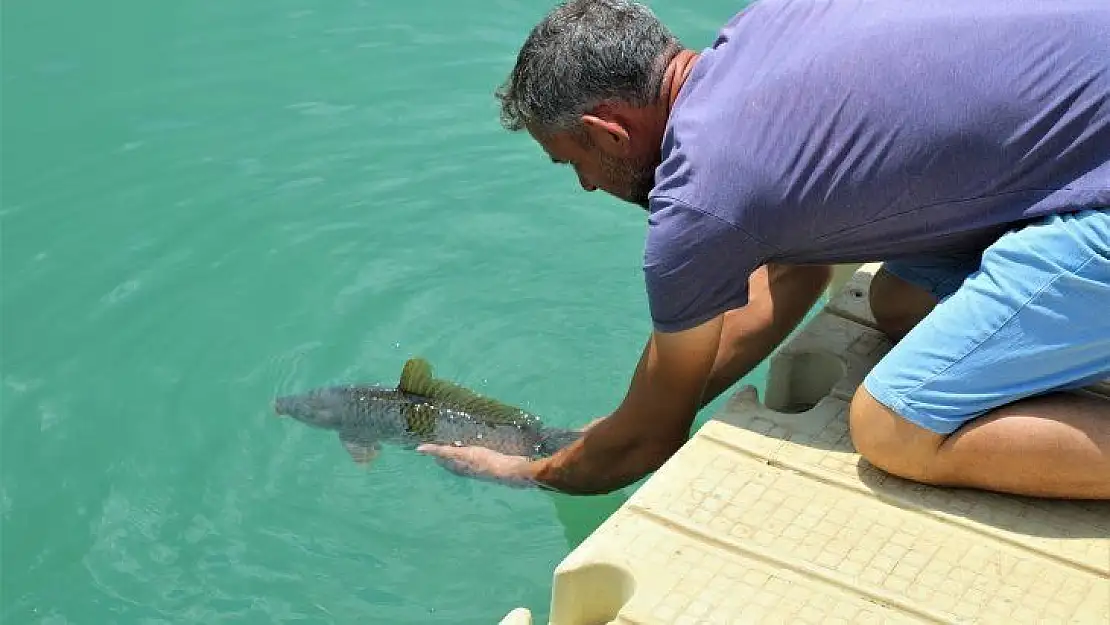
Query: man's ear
(607, 131)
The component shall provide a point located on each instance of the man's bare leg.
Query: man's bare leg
(1055, 445)
(898, 305)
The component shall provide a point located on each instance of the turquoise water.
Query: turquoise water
(209, 203)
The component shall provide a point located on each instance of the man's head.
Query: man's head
(586, 86)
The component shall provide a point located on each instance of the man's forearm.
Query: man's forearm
(604, 459)
(649, 426)
(779, 298)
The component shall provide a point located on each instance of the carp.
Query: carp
(421, 409)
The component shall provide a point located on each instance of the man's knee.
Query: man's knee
(898, 305)
(890, 442)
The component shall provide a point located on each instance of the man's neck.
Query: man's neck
(674, 77)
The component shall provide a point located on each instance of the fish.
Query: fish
(421, 409)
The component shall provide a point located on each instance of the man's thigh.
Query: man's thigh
(1033, 318)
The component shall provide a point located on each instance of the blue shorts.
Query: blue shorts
(1029, 316)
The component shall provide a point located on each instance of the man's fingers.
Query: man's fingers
(454, 466)
(446, 456)
(443, 451)
(454, 459)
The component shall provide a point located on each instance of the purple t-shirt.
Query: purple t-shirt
(845, 131)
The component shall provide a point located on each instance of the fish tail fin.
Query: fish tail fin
(554, 439)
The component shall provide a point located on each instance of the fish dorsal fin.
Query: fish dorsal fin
(417, 378)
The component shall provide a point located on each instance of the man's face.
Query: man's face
(626, 178)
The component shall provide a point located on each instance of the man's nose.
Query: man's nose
(586, 185)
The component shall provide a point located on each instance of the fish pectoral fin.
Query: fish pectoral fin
(362, 452)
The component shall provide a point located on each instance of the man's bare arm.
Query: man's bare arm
(779, 298)
(676, 376)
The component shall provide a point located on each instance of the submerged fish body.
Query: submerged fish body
(365, 416)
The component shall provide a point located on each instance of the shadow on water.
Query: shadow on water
(581, 515)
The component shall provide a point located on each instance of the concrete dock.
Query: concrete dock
(768, 515)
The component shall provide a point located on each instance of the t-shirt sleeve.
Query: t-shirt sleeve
(696, 265)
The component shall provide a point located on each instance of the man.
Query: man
(967, 144)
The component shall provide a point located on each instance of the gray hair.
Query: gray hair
(582, 53)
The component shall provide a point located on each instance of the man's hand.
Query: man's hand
(482, 463)
(487, 464)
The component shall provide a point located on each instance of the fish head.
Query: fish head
(326, 407)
